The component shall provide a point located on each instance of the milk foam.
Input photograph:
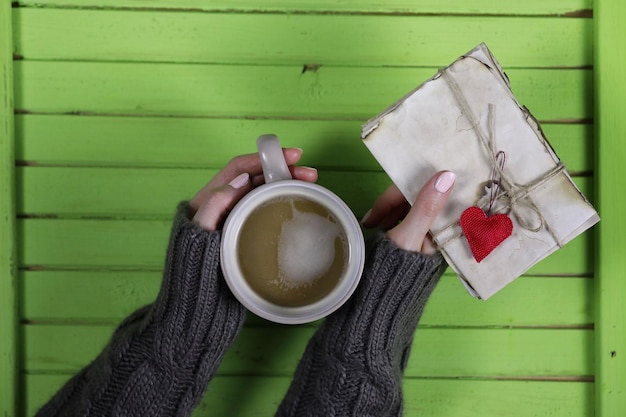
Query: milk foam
(306, 247)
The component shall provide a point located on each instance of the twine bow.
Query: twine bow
(515, 197)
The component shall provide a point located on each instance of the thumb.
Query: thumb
(412, 233)
(221, 200)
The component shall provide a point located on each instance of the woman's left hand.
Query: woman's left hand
(213, 202)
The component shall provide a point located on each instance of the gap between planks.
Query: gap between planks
(582, 14)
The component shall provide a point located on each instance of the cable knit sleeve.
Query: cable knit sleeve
(353, 365)
(161, 358)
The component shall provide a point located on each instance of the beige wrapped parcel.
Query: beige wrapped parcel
(467, 120)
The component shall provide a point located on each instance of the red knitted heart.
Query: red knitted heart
(484, 233)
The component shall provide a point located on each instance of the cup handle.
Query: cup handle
(272, 159)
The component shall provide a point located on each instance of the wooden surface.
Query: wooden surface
(610, 287)
(125, 107)
(8, 242)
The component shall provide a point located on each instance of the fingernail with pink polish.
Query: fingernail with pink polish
(364, 219)
(445, 181)
(240, 180)
(299, 150)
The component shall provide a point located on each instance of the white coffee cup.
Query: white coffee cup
(278, 186)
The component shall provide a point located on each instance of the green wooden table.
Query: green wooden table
(112, 111)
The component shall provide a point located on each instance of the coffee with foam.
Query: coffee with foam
(292, 251)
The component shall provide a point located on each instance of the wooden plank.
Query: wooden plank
(610, 90)
(451, 305)
(503, 353)
(153, 193)
(8, 256)
(108, 192)
(255, 396)
(93, 243)
(110, 296)
(141, 244)
(96, 296)
(241, 91)
(276, 350)
(546, 7)
(462, 398)
(211, 143)
(286, 39)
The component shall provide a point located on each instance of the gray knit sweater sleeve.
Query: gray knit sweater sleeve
(161, 358)
(353, 365)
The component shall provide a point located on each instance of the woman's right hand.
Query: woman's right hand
(408, 226)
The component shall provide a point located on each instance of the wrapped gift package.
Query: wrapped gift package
(513, 203)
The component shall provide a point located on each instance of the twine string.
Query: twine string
(516, 197)
(494, 182)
